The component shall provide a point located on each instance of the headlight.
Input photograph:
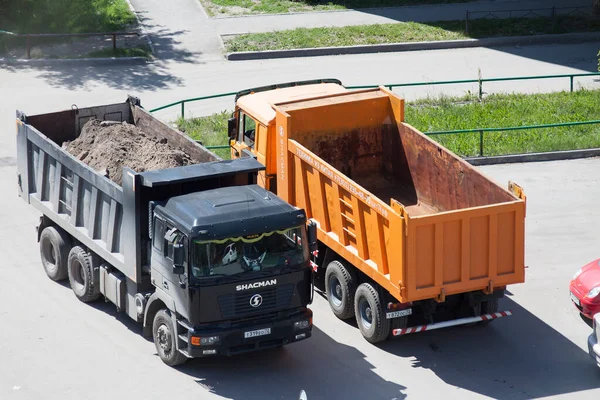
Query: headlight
(205, 341)
(577, 274)
(301, 324)
(594, 292)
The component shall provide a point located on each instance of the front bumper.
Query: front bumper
(232, 340)
(594, 348)
(588, 308)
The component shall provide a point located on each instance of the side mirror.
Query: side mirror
(232, 128)
(178, 255)
(312, 235)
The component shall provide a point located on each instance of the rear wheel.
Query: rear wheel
(488, 307)
(370, 315)
(54, 252)
(83, 277)
(340, 285)
(164, 335)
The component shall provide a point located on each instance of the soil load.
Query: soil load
(108, 146)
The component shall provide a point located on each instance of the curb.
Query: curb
(415, 46)
(77, 61)
(534, 157)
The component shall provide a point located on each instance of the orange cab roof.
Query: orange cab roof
(259, 105)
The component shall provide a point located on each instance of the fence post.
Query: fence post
(480, 88)
(114, 37)
(182, 109)
(571, 79)
(467, 24)
(28, 46)
(480, 143)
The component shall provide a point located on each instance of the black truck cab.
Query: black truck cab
(235, 262)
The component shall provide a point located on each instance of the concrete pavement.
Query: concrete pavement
(55, 347)
(182, 31)
(423, 13)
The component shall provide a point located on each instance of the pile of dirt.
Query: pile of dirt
(109, 146)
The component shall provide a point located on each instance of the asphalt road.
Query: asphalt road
(54, 347)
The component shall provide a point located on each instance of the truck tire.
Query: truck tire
(54, 252)
(370, 315)
(397, 323)
(165, 336)
(340, 285)
(83, 277)
(488, 307)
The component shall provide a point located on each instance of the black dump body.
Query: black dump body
(109, 219)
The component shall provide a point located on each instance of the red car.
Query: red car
(585, 289)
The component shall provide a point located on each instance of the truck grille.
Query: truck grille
(238, 304)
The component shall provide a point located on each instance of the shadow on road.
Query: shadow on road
(322, 367)
(520, 357)
(136, 75)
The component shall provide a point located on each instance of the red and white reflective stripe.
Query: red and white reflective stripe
(314, 266)
(454, 322)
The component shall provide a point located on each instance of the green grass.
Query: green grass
(511, 110)
(499, 110)
(302, 38)
(60, 16)
(64, 16)
(122, 52)
(211, 130)
(232, 7)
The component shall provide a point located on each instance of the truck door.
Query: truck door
(252, 138)
(167, 273)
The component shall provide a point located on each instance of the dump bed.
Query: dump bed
(407, 212)
(111, 219)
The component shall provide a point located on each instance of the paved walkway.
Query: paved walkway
(182, 31)
(424, 13)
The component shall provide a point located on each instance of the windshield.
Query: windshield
(250, 253)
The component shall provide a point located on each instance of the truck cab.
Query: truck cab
(235, 262)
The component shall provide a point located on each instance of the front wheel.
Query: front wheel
(370, 315)
(165, 336)
(339, 287)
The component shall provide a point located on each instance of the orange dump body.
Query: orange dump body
(404, 210)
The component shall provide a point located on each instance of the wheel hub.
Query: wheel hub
(164, 337)
(338, 291)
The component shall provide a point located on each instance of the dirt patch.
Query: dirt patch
(109, 146)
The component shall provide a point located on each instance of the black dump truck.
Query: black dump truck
(209, 262)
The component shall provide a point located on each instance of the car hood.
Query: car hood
(589, 277)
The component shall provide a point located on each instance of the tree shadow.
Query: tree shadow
(520, 357)
(135, 75)
(322, 367)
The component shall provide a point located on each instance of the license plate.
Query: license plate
(575, 299)
(396, 314)
(258, 332)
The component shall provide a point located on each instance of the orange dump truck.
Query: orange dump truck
(411, 237)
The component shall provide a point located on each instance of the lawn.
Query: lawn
(498, 110)
(302, 38)
(61, 16)
(236, 7)
(211, 130)
(503, 110)
(64, 16)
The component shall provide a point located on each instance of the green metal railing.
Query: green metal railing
(505, 129)
(482, 131)
(479, 81)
